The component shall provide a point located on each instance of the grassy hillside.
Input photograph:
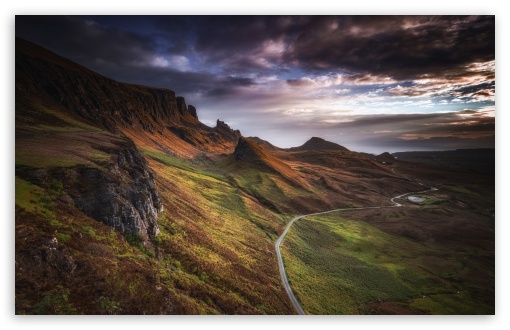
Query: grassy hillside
(345, 263)
(214, 253)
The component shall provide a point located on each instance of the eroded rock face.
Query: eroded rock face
(99, 100)
(121, 194)
(226, 131)
(192, 111)
(124, 198)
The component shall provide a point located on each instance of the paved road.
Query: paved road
(279, 241)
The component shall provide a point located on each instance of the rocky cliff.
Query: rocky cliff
(99, 100)
(121, 193)
(123, 197)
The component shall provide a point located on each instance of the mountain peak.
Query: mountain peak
(385, 157)
(317, 143)
(315, 139)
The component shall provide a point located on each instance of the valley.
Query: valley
(127, 204)
(400, 259)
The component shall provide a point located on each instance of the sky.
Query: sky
(369, 83)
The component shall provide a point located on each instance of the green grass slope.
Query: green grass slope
(339, 265)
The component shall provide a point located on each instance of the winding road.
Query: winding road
(288, 289)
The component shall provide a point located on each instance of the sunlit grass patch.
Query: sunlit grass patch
(339, 266)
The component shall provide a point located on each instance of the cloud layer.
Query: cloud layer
(280, 77)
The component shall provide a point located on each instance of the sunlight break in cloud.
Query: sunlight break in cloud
(177, 62)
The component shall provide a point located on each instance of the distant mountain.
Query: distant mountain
(317, 144)
(385, 157)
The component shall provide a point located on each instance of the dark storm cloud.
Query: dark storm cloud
(473, 89)
(401, 47)
(188, 82)
(221, 37)
(85, 41)
(398, 47)
(122, 55)
(291, 74)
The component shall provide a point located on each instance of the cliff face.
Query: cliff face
(99, 100)
(121, 194)
(53, 91)
(123, 197)
(142, 113)
(224, 130)
(185, 109)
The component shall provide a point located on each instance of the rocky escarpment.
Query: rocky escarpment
(185, 109)
(248, 154)
(121, 194)
(225, 130)
(248, 150)
(101, 101)
(202, 136)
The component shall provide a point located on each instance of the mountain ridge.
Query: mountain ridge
(117, 107)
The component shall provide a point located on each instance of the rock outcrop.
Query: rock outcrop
(225, 130)
(248, 154)
(185, 109)
(248, 150)
(121, 194)
(123, 197)
(385, 158)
